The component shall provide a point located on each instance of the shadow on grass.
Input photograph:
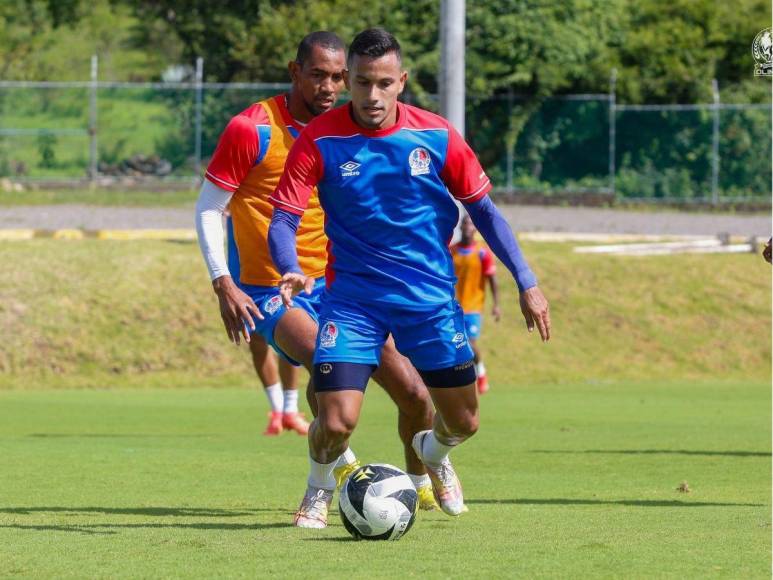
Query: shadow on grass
(145, 511)
(336, 539)
(111, 528)
(661, 452)
(625, 502)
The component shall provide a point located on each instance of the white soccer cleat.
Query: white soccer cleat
(314, 508)
(445, 483)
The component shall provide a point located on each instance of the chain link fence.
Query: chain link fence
(100, 131)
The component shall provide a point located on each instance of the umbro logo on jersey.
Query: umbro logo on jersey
(349, 169)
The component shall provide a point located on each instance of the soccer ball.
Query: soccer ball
(378, 502)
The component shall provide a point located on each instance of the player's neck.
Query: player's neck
(298, 109)
(389, 121)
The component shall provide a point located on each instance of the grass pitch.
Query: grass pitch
(562, 481)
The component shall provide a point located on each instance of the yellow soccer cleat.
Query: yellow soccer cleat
(427, 498)
(341, 473)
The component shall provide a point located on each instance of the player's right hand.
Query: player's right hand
(534, 307)
(292, 284)
(236, 309)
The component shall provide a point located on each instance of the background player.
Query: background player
(244, 171)
(278, 376)
(474, 265)
(384, 171)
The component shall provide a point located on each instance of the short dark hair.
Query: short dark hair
(321, 38)
(373, 43)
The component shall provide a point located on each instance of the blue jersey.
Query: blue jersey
(387, 196)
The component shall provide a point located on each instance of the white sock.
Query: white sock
(419, 480)
(291, 401)
(481, 369)
(433, 451)
(346, 458)
(321, 475)
(275, 397)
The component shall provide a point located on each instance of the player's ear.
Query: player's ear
(403, 80)
(346, 79)
(295, 70)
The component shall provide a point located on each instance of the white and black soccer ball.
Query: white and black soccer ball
(378, 502)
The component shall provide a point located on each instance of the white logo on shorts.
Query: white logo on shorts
(326, 368)
(272, 304)
(328, 335)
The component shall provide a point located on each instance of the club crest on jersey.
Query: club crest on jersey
(419, 160)
(349, 169)
(272, 304)
(328, 335)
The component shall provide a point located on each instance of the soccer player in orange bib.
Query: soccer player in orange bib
(474, 265)
(242, 174)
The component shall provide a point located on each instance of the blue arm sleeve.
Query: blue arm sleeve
(281, 241)
(498, 235)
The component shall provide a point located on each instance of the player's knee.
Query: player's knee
(338, 428)
(463, 426)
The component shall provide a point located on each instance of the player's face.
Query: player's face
(320, 80)
(375, 84)
(468, 229)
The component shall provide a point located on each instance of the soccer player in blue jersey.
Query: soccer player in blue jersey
(386, 175)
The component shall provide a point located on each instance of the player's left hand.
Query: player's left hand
(293, 284)
(496, 313)
(535, 310)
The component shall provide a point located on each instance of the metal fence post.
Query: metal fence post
(199, 89)
(715, 145)
(612, 129)
(93, 152)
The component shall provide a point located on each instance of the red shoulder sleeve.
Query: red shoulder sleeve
(303, 170)
(236, 151)
(462, 172)
(489, 267)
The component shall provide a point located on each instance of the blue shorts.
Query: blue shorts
(272, 308)
(353, 332)
(473, 322)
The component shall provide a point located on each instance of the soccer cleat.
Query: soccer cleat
(427, 498)
(445, 484)
(274, 423)
(341, 473)
(295, 422)
(314, 508)
(483, 385)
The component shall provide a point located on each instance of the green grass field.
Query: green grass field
(115, 464)
(570, 481)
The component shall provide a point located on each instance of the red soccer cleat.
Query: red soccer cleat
(295, 422)
(274, 423)
(483, 385)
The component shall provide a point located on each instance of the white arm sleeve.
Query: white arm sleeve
(209, 226)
